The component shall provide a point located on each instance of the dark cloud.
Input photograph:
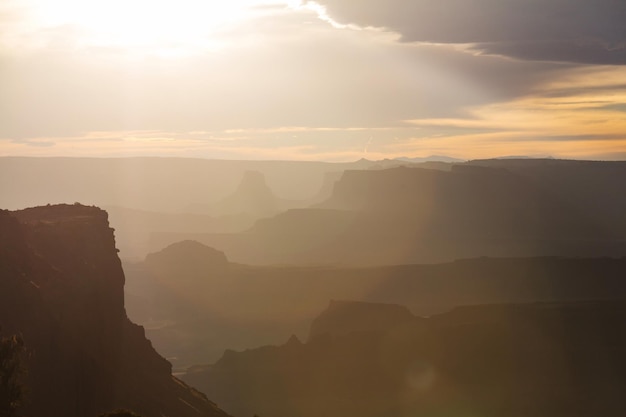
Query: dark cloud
(587, 52)
(581, 31)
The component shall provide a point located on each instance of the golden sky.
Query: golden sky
(329, 80)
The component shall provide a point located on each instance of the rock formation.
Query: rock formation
(413, 215)
(62, 288)
(194, 309)
(252, 197)
(532, 360)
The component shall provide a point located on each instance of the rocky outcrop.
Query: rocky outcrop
(185, 257)
(61, 287)
(181, 279)
(532, 360)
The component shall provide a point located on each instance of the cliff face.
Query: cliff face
(414, 215)
(469, 202)
(594, 189)
(61, 286)
(532, 360)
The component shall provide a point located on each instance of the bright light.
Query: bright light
(158, 25)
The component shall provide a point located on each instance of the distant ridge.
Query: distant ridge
(431, 158)
(530, 360)
(411, 214)
(242, 306)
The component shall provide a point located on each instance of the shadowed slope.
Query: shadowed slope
(533, 360)
(195, 305)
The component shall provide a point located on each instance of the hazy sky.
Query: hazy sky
(335, 80)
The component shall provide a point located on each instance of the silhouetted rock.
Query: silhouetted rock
(187, 256)
(532, 360)
(61, 287)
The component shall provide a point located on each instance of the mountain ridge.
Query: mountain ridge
(534, 360)
(406, 215)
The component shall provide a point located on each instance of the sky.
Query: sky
(334, 80)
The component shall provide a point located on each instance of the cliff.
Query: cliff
(532, 360)
(595, 189)
(62, 288)
(467, 203)
(414, 215)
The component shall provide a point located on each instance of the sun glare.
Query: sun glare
(159, 25)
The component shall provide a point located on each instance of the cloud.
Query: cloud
(292, 86)
(36, 143)
(580, 115)
(288, 70)
(580, 31)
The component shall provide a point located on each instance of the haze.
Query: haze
(328, 208)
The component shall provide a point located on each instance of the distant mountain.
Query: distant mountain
(136, 230)
(196, 269)
(594, 189)
(62, 289)
(194, 305)
(531, 360)
(414, 215)
(154, 202)
(431, 158)
(187, 257)
(152, 184)
(252, 197)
